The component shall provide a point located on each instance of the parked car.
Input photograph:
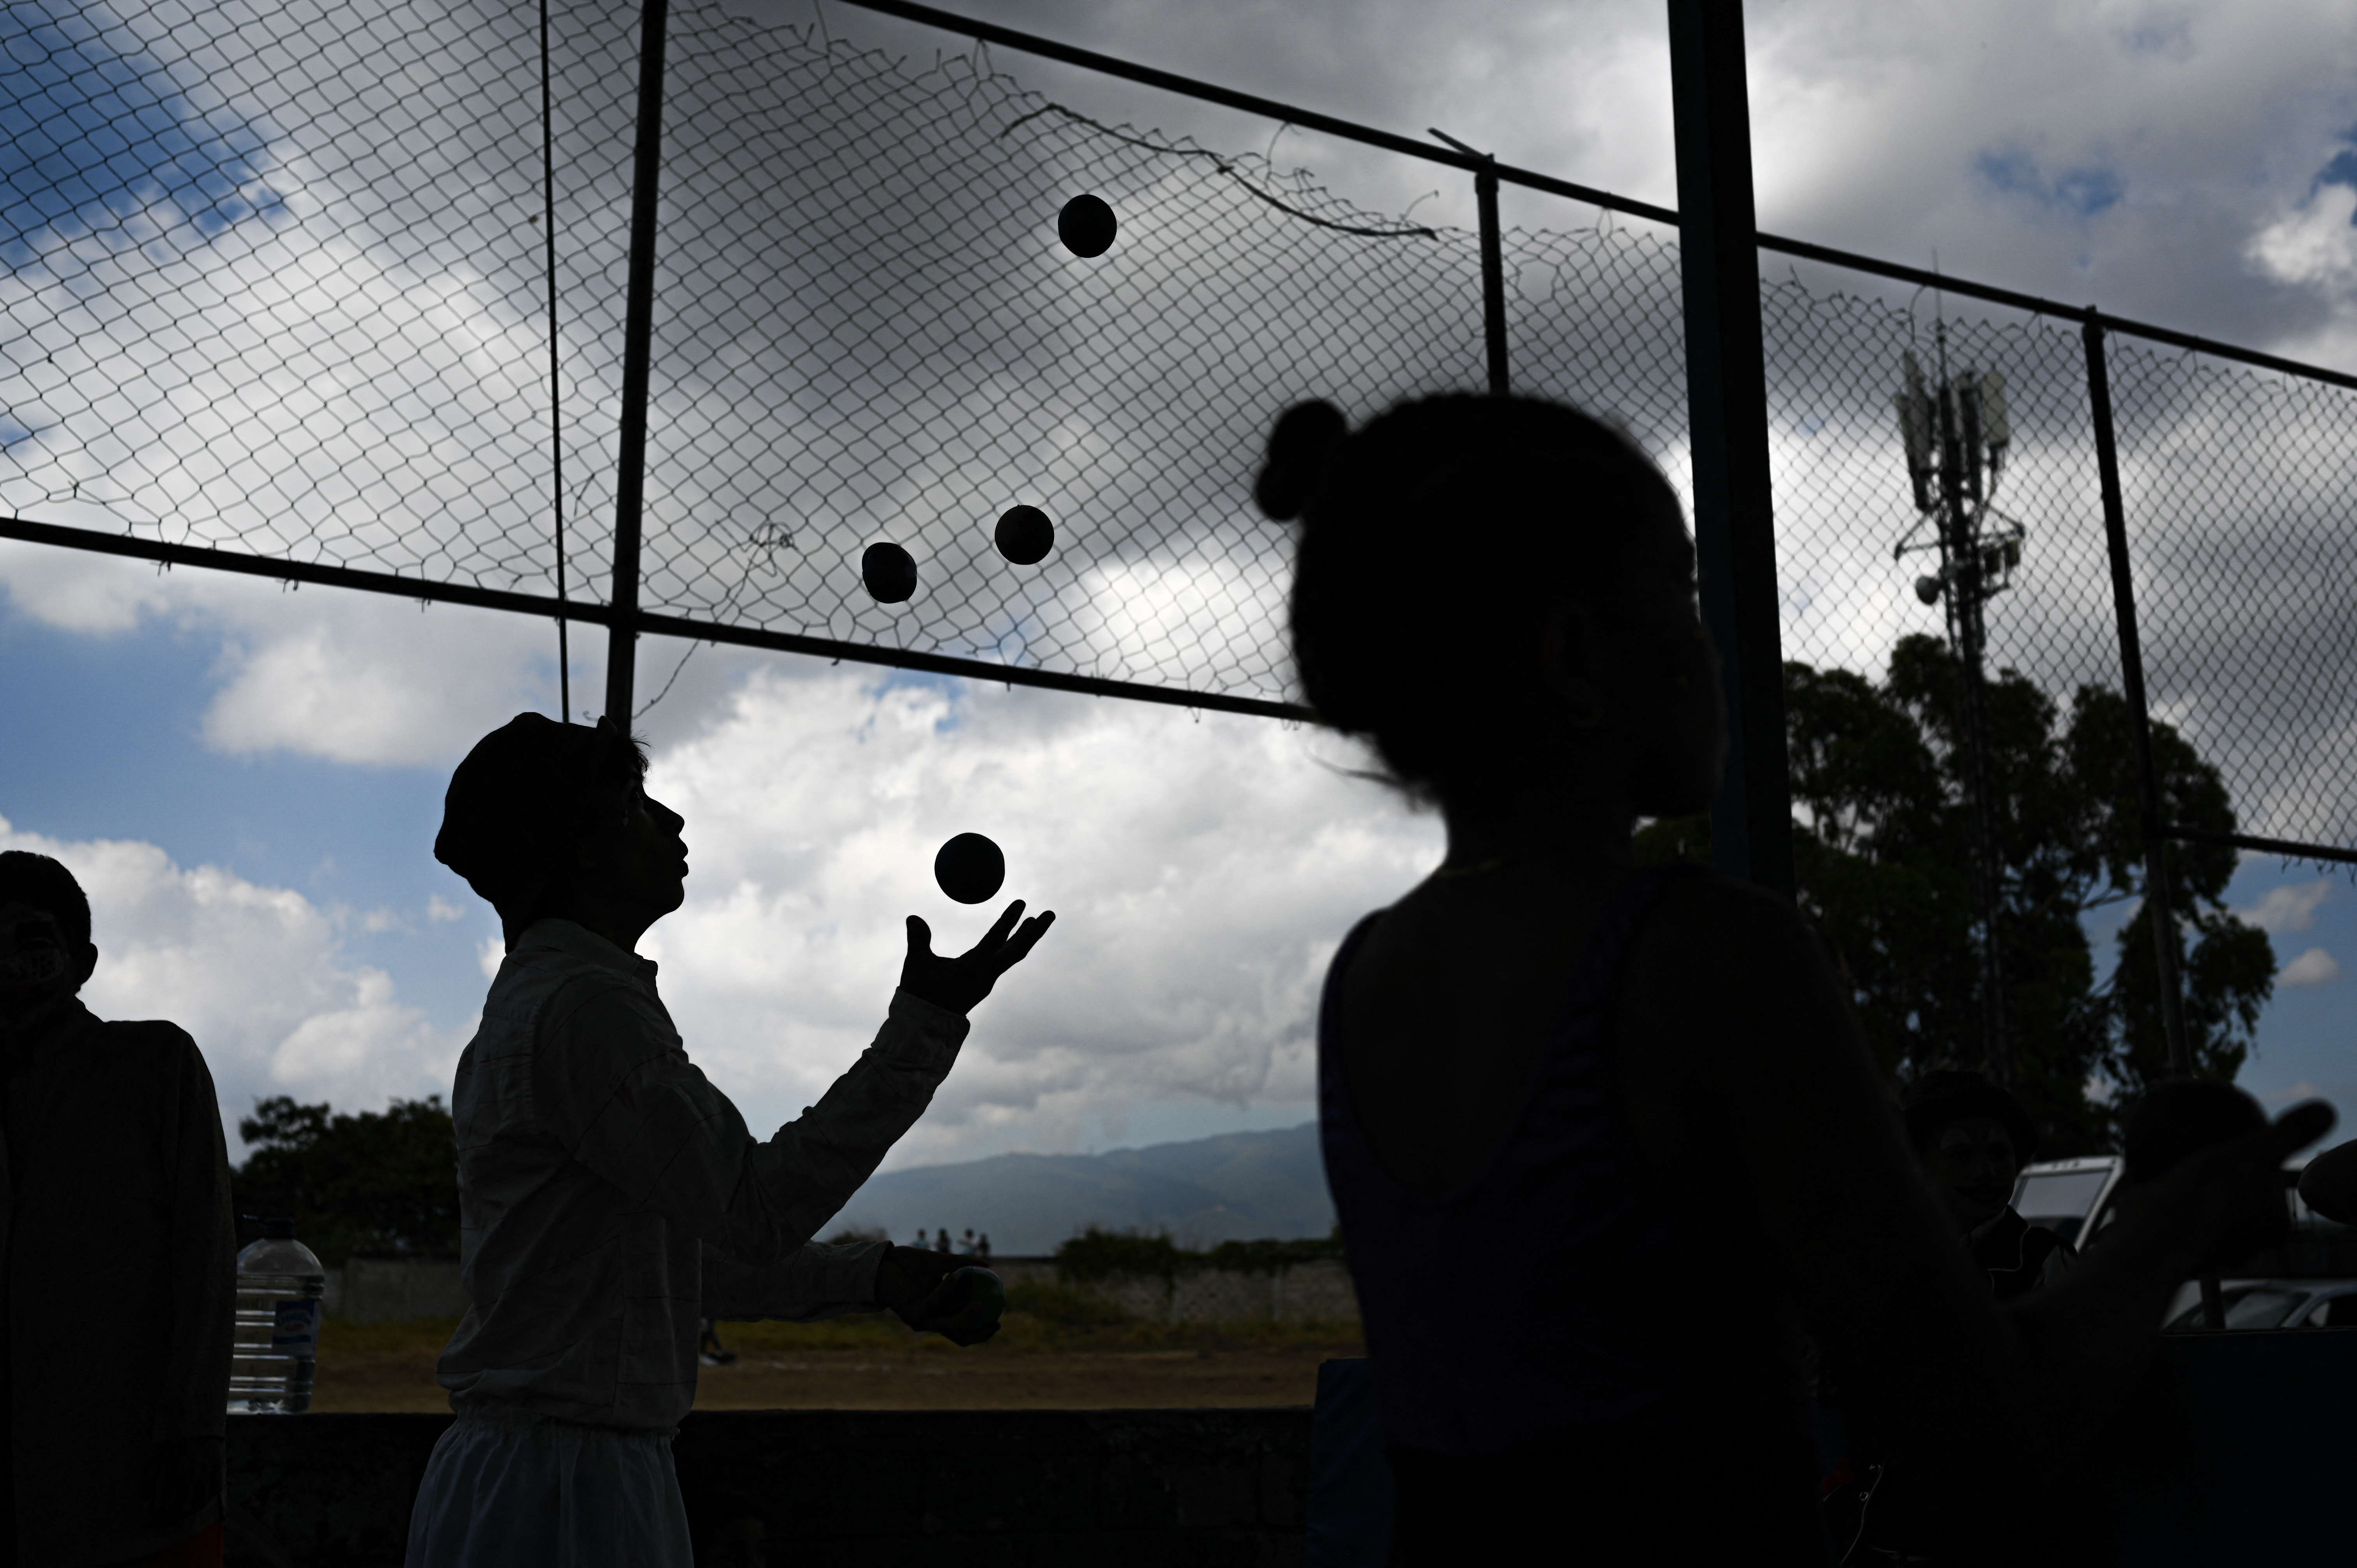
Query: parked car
(2270, 1304)
(2291, 1284)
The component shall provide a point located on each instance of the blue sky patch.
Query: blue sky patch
(2086, 191)
(98, 141)
(2341, 170)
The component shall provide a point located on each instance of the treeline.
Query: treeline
(1884, 847)
(371, 1183)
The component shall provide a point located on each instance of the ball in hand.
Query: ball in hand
(890, 571)
(980, 1293)
(970, 868)
(1087, 226)
(1025, 535)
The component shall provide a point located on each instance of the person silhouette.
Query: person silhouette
(1652, 1068)
(115, 1159)
(610, 1197)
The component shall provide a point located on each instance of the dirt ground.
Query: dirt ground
(874, 1366)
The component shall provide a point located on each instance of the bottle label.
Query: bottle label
(294, 1329)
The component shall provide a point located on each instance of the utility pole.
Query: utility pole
(1951, 440)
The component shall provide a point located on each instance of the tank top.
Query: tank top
(1561, 1296)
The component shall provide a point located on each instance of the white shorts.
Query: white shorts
(513, 1489)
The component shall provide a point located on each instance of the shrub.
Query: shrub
(1098, 1254)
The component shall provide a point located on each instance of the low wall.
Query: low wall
(376, 1290)
(1319, 1291)
(373, 1290)
(1154, 1489)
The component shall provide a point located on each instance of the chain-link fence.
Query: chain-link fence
(277, 285)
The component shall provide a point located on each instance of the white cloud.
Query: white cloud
(2313, 245)
(377, 681)
(440, 910)
(256, 974)
(2314, 967)
(1202, 874)
(2289, 909)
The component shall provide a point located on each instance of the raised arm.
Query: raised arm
(626, 1102)
(615, 1085)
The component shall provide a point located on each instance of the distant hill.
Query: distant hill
(1237, 1187)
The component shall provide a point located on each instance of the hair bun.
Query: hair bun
(1305, 439)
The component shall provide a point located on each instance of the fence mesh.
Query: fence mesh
(2237, 485)
(277, 284)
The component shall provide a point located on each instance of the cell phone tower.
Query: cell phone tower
(1957, 438)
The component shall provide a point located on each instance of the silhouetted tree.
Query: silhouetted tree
(377, 1183)
(1883, 852)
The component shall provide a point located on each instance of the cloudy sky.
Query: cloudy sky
(248, 780)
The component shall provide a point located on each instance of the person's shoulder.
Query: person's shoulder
(155, 1049)
(159, 1037)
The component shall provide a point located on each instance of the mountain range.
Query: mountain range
(1236, 1186)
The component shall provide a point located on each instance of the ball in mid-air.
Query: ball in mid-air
(1025, 535)
(890, 571)
(970, 868)
(1087, 226)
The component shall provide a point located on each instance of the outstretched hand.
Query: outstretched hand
(957, 984)
(2226, 1201)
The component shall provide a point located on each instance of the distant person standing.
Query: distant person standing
(965, 1246)
(920, 1238)
(941, 1240)
(982, 1248)
(115, 1381)
(1971, 1139)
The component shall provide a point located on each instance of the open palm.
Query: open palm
(957, 984)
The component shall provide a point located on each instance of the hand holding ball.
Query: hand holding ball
(1025, 535)
(979, 1296)
(1087, 226)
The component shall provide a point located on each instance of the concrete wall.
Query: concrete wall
(376, 1290)
(1319, 1291)
(1043, 1488)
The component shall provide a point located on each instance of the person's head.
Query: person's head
(1493, 589)
(729, 1531)
(46, 954)
(547, 819)
(1971, 1139)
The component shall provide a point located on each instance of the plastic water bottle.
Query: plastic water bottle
(279, 1283)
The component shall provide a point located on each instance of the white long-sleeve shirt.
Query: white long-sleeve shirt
(609, 1196)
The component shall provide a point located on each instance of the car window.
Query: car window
(2058, 1199)
(2334, 1312)
(2247, 1309)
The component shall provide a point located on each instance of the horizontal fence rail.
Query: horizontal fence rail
(277, 304)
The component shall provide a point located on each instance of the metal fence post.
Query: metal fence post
(1493, 278)
(1735, 520)
(2155, 831)
(638, 336)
